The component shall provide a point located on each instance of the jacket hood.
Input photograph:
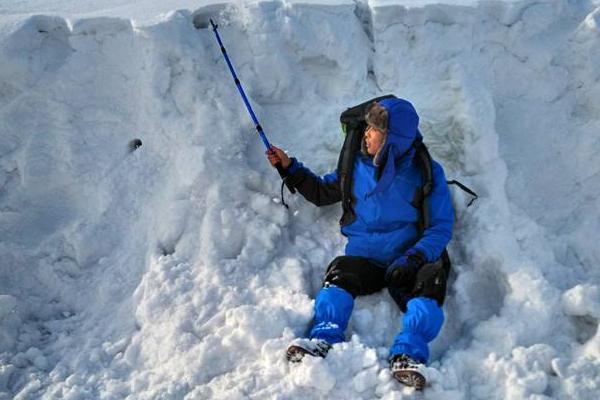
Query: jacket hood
(403, 124)
(403, 129)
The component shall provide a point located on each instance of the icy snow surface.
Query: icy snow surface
(174, 273)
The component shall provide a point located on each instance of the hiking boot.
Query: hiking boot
(301, 347)
(408, 371)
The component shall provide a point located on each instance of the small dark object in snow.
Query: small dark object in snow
(134, 144)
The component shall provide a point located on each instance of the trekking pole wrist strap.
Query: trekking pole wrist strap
(283, 173)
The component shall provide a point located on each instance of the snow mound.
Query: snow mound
(173, 272)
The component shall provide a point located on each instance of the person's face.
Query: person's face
(373, 139)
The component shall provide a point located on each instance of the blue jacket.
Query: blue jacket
(385, 227)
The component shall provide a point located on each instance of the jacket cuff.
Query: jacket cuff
(295, 173)
(294, 166)
(423, 253)
(411, 258)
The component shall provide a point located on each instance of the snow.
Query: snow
(174, 272)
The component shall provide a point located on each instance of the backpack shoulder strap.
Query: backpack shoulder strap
(345, 169)
(420, 201)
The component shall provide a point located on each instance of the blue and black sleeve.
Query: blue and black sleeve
(321, 191)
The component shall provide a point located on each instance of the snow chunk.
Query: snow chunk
(314, 372)
(592, 21)
(582, 300)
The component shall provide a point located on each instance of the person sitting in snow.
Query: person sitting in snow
(384, 247)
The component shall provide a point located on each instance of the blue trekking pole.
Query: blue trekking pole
(259, 129)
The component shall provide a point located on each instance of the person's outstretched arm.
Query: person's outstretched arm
(321, 191)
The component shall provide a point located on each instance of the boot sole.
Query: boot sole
(410, 378)
(296, 353)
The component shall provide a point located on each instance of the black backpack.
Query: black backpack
(354, 125)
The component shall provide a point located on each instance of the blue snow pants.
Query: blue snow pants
(348, 277)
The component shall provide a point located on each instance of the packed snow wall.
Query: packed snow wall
(173, 272)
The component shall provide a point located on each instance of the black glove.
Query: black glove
(402, 273)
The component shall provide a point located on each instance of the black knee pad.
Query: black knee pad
(342, 273)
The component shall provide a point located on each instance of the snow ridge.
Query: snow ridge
(173, 272)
